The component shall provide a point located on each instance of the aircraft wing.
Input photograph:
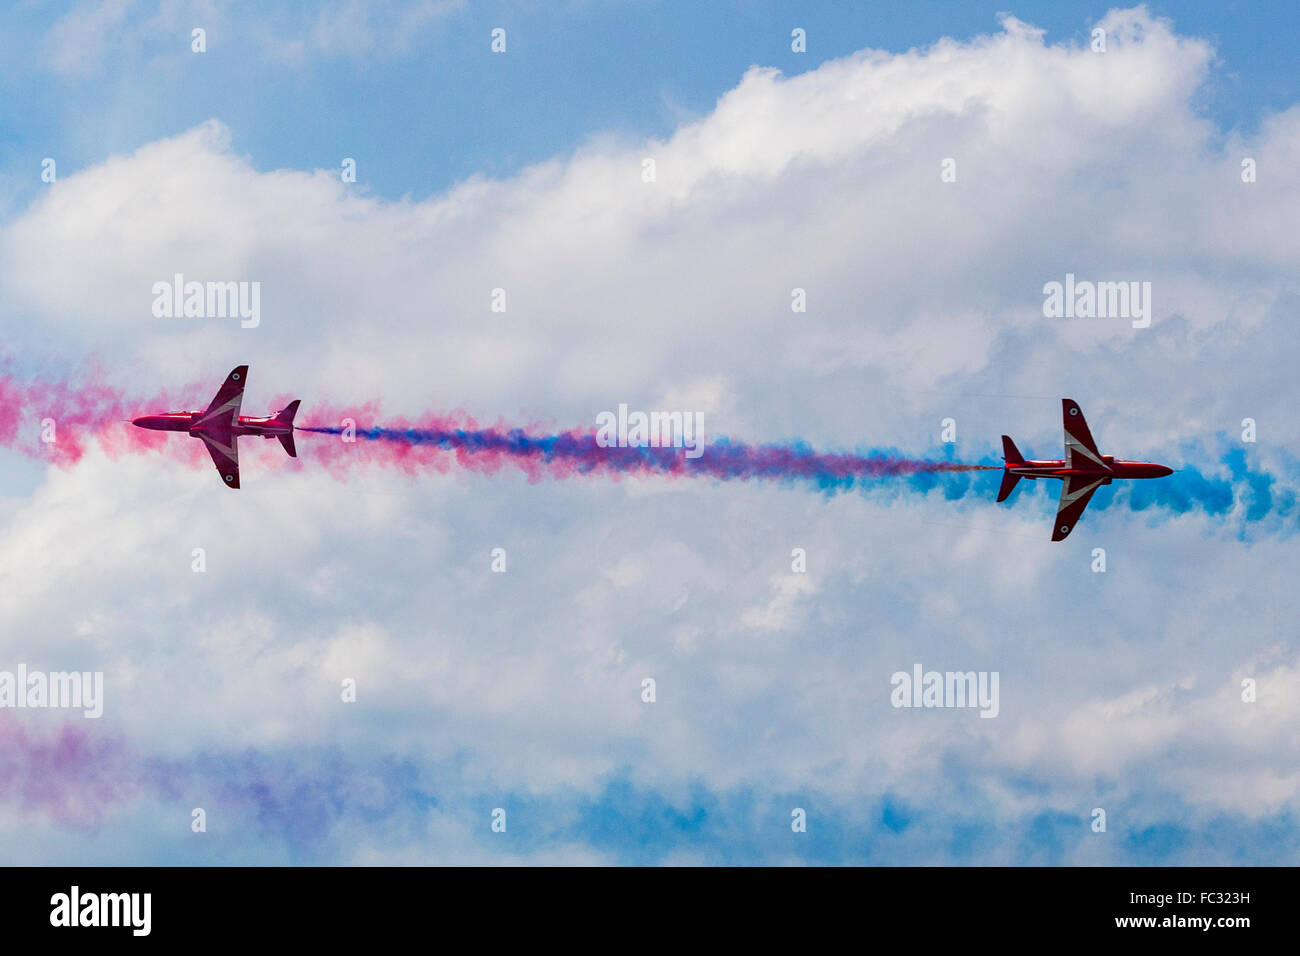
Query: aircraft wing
(225, 457)
(223, 412)
(1080, 450)
(1076, 492)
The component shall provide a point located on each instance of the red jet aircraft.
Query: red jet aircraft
(1082, 472)
(220, 425)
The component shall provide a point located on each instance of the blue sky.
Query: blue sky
(436, 106)
(1120, 690)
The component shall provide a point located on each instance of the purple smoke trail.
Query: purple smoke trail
(71, 776)
(436, 443)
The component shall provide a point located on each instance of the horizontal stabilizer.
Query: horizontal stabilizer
(1010, 453)
(1009, 480)
(285, 417)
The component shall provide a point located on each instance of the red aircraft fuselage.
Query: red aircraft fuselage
(188, 422)
(1117, 469)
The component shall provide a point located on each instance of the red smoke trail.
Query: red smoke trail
(75, 415)
(84, 412)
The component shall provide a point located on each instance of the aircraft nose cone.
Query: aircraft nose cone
(1164, 470)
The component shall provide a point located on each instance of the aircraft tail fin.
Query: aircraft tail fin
(1010, 453)
(285, 417)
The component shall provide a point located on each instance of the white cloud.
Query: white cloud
(76, 43)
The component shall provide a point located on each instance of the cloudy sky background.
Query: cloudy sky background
(522, 690)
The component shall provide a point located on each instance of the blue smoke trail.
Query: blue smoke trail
(1234, 491)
